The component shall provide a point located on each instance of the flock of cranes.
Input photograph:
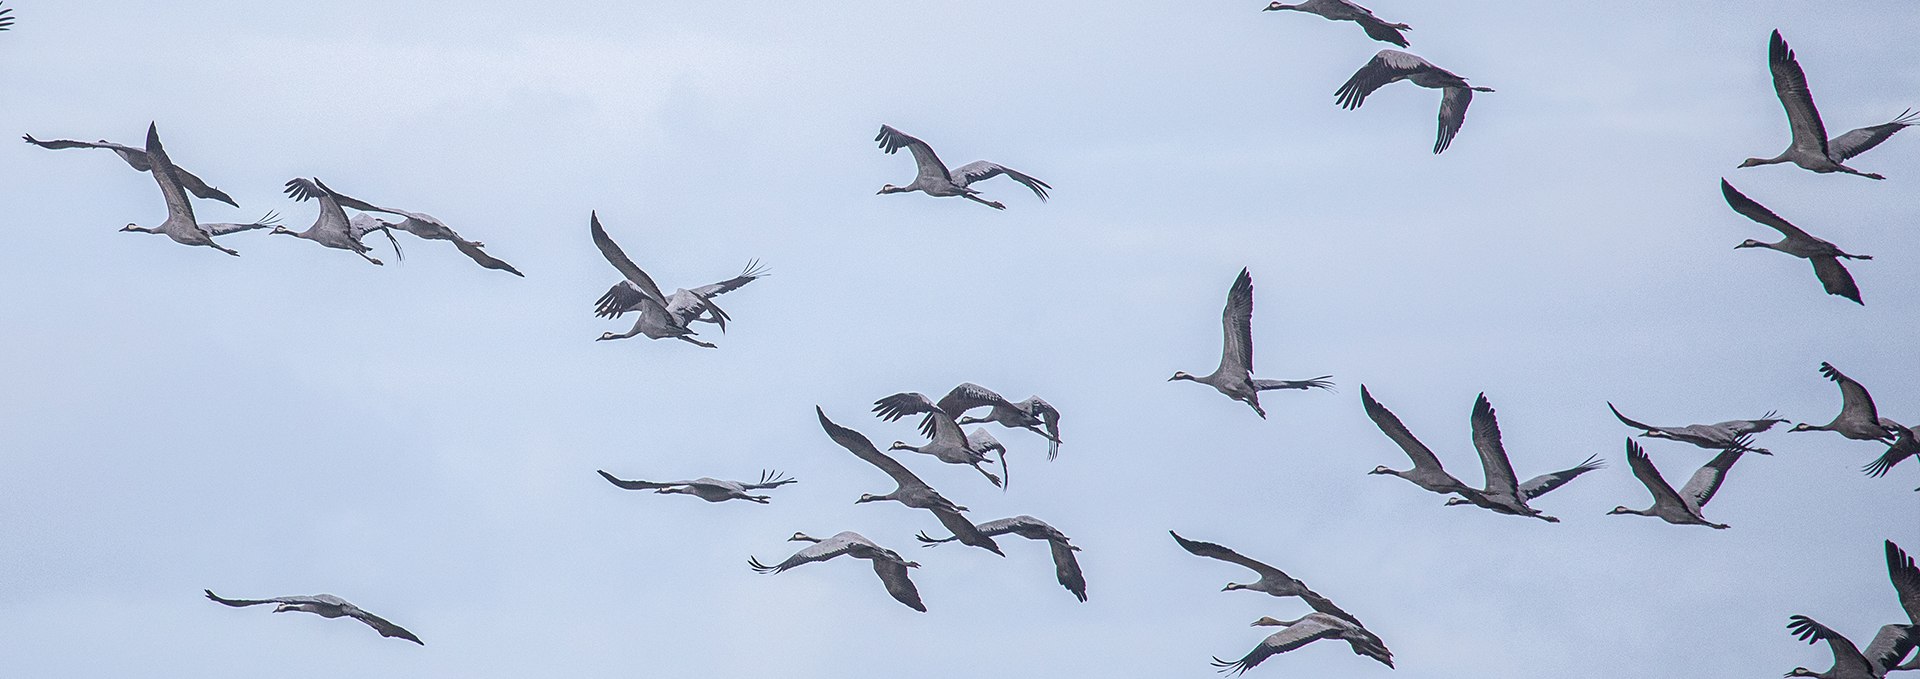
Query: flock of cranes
(662, 315)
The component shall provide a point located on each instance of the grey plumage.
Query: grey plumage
(325, 606)
(908, 489)
(1390, 66)
(1065, 566)
(180, 224)
(1344, 10)
(945, 441)
(888, 564)
(1810, 148)
(659, 317)
(1300, 632)
(709, 489)
(1717, 436)
(332, 228)
(1234, 376)
(1680, 507)
(139, 161)
(935, 179)
(1825, 256)
(1427, 472)
(1858, 418)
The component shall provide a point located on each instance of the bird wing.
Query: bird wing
(1325, 605)
(1067, 569)
(929, 164)
(1214, 551)
(270, 220)
(480, 256)
(1809, 134)
(1300, 634)
(894, 575)
(6, 21)
(981, 170)
(357, 204)
(1649, 476)
(1855, 402)
(863, 448)
(1049, 416)
(1453, 114)
(1545, 483)
(750, 274)
(1759, 213)
(138, 159)
(618, 258)
(819, 551)
(963, 529)
(1906, 580)
(902, 404)
(1378, 29)
(620, 299)
(1236, 320)
(638, 485)
(1423, 458)
(379, 624)
(1630, 422)
(164, 173)
(769, 479)
(1889, 645)
(1905, 445)
(1493, 455)
(1835, 279)
(1385, 67)
(255, 602)
(1856, 142)
(1847, 660)
(1706, 481)
(968, 396)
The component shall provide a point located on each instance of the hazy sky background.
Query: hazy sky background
(420, 438)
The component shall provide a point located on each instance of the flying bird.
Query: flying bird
(332, 228)
(1858, 419)
(1824, 255)
(1680, 508)
(180, 224)
(1717, 436)
(1501, 491)
(1545, 483)
(1892, 643)
(935, 179)
(1393, 65)
(1344, 10)
(431, 228)
(888, 564)
(624, 297)
(1810, 148)
(1234, 377)
(1300, 632)
(325, 606)
(659, 317)
(946, 442)
(1031, 414)
(1904, 446)
(1066, 568)
(709, 489)
(1273, 581)
(908, 489)
(1427, 472)
(138, 160)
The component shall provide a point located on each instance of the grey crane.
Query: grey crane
(1858, 419)
(1392, 66)
(659, 317)
(935, 179)
(140, 162)
(888, 564)
(1501, 490)
(1343, 10)
(1273, 581)
(1904, 446)
(1066, 568)
(1030, 414)
(623, 297)
(1810, 148)
(1545, 483)
(1234, 376)
(1680, 508)
(332, 228)
(1825, 256)
(908, 489)
(1892, 643)
(1302, 631)
(1717, 436)
(325, 606)
(1427, 472)
(945, 441)
(709, 489)
(428, 227)
(180, 224)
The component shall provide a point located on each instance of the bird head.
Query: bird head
(282, 230)
(1620, 510)
(1802, 427)
(1276, 6)
(898, 445)
(867, 497)
(1232, 586)
(606, 336)
(1750, 243)
(1750, 162)
(1180, 376)
(131, 227)
(801, 537)
(1382, 469)
(888, 188)
(1801, 672)
(1457, 501)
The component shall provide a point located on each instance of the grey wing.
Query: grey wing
(1759, 213)
(620, 299)
(379, 624)
(753, 272)
(1545, 483)
(1790, 83)
(1649, 476)
(963, 529)
(480, 256)
(1705, 482)
(1847, 660)
(1854, 398)
(1493, 455)
(6, 21)
(135, 158)
(619, 260)
(255, 602)
(638, 485)
(1214, 551)
(863, 448)
(1889, 646)
(1630, 422)
(1236, 322)
(1300, 634)
(820, 551)
(981, 170)
(1051, 418)
(199, 187)
(355, 203)
(1385, 67)
(1835, 279)
(1423, 458)
(166, 175)
(1325, 605)
(894, 575)
(1453, 114)
(1858, 141)
(901, 405)
(269, 221)
(968, 396)
(1067, 569)
(1906, 580)
(929, 164)
(1903, 447)
(1381, 30)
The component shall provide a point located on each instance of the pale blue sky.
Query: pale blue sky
(420, 438)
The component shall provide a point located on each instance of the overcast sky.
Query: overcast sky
(421, 438)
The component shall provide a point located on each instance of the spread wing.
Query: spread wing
(1759, 213)
(269, 221)
(1545, 483)
(1847, 660)
(1385, 67)
(1854, 400)
(753, 272)
(638, 485)
(981, 170)
(863, 448)
(967, 396)
(163, 171)
(1300, 634)
(819, 551)
(1236, 320)
(255, 602)
(894, 575)
(1214, 551)
(1423, 458)
(480, 256)
(929, 164)
(379, 624)
(1705, 482)
(1649, 476)
(1906, 580)
(1790, 83)
(1067, 569)
(1835, 279)
(1493, 455)
(1453, 114)
(611, 250)
(1858, 141)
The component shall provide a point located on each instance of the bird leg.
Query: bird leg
(989, 203)
(696, 342)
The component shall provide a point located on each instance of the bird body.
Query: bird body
(888, 564)
(325, 606)
(1825, 256)
(332, 228)
(935, 179)
(1345, 10)
(709, 489)
(1031, 414)
(1234, 376)
(1892, 643)
(1682, 507)
(659, 317)
(946, 442)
